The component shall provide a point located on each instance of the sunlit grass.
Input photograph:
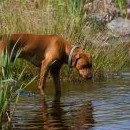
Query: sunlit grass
(110, 58)
(65, 18)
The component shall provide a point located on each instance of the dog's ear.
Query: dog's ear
(75, 58)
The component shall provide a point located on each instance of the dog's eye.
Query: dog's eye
(87, 66)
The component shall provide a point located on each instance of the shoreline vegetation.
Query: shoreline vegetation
(55, 17)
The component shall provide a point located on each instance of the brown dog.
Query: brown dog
(49, 52)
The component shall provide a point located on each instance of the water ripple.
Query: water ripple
(106, 107)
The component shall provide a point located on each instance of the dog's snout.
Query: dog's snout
(89, 77)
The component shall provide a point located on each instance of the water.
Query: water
(92, 105)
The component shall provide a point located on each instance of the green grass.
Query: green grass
(63, 18)
(110, 59)
(122, 4)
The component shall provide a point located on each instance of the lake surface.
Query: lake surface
(88, 105)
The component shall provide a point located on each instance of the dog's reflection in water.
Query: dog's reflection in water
(60, 115)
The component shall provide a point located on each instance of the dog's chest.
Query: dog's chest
(34, 59)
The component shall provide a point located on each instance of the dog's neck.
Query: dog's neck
(70, 54)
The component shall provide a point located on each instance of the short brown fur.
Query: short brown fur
(49, 53)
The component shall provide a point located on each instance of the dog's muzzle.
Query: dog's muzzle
(89, 77)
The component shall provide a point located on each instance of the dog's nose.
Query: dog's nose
(89, 77)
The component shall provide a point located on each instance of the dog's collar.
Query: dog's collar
(70, 56)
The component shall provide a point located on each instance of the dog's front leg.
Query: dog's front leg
(43, 76)
(55, 72)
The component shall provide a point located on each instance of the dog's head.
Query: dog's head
(83, 63)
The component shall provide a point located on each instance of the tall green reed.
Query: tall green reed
(9, 88)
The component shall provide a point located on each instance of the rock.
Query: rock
(119, 27)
